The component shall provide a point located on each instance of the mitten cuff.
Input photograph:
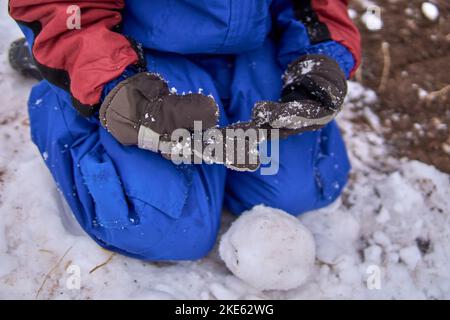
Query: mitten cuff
(337, 52)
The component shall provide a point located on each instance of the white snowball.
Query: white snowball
(372, 21)
(269, 249)
(430, 11)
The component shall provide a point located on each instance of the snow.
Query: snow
(373, 254)
(305, 67)
(430, 11)
(397, 205)
(352, 13)
(269, 249)
(372, 20)
(410, 256)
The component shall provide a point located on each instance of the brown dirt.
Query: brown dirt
(416, 121)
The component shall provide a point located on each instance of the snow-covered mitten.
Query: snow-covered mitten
(315, 77)
(142, 111)
(234, 146)
(313, 93)
(22, 61)
(239, 147)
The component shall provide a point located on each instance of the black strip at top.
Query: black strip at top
(304, 12)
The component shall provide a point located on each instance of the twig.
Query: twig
(67, 265)
(434, 94)
(102, 264)
(359, 75)
(46, 251)
(47, 276)
(386, 66)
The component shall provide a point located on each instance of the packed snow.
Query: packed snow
(269, 249)
(386, 237)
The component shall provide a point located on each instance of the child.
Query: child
(112, 70)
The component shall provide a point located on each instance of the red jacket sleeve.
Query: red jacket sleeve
(334, 14)
(80, 60)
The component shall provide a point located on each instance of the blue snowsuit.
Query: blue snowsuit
(134, 201)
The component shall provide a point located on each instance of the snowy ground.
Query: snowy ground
(393, 218)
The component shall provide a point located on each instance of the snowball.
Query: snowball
(269, 249)
(430, 11)
(372, 21)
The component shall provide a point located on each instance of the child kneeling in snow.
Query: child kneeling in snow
(107, 67)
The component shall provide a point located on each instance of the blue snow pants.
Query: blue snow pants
(137, 203)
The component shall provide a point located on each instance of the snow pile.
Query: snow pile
(387, 237)
(269, 249)
(398, 223)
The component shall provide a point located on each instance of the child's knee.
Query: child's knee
(317, 185)
(308, 194)
(295, 198)
(156, 236)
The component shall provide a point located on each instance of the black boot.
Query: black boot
(21, 60)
